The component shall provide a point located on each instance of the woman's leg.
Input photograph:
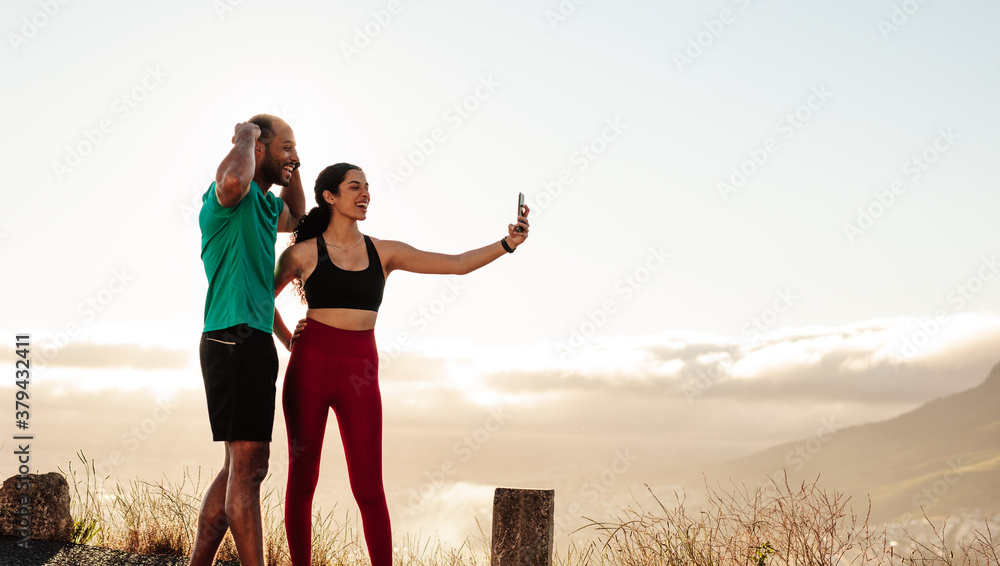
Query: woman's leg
(359, 415)
(305, 400)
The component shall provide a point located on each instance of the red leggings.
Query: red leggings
(334, 368)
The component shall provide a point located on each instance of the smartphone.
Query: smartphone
(520, 209)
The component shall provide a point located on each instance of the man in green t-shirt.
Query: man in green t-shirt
(240, 219)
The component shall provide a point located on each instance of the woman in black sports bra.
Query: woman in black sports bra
(334, 361)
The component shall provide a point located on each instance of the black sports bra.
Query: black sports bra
(330, 287)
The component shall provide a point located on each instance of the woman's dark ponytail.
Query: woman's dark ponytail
(312, 224)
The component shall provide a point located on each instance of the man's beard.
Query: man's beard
(273, 170)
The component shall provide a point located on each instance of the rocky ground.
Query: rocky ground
(52, 553)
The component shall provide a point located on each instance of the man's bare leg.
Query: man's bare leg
(212, 523)
(248, 468)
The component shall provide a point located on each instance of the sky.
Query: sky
(736, 205)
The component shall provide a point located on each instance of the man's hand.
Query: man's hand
(298, 330)
(247, 127)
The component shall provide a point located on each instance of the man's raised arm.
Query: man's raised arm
(295, 202)
(232, 180)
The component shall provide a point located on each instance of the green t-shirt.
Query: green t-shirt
(237, 248)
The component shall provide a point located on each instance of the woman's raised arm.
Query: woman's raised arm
(405, 257)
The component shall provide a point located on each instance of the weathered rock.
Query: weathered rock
(36, 505)
(523, 525)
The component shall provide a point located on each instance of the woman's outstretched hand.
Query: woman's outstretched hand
(515, 238)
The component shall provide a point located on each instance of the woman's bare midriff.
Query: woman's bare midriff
(345, 319)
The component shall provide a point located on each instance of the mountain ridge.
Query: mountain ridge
(940, 458)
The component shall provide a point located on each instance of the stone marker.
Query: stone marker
(523, 524)
(41, 505)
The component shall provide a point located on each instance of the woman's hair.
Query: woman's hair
(317, 219)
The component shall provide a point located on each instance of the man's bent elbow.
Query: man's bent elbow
(230, 189)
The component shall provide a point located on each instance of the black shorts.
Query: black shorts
(240, 367)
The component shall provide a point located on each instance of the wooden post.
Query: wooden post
(523, 524)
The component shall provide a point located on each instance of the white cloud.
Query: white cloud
(771, 386)
(720, 386)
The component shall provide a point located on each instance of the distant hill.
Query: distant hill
(944, 456)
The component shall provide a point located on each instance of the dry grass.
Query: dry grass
(160, 518)
(774, 525)
(141, 517)
(771, 525)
